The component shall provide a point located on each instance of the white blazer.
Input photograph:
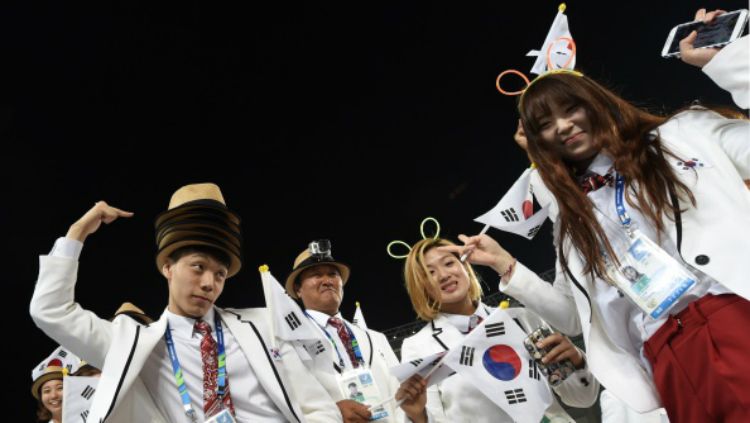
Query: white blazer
(120, 348)
(455, 399)
(615, 411)
(712, 237)
(379, 357)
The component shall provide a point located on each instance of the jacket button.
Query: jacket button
(702, 259)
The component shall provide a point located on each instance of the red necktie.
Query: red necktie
(592, 181)
(472, 324)
(345, 338)
(211, 405)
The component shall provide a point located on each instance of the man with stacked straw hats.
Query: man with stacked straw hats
(181, 367)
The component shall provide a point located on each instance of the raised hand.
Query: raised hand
(699, 56)
(482, 249)
(93, 219)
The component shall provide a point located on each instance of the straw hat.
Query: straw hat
(312, 257)
(133, 311)
(198, 215)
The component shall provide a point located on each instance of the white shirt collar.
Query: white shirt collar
(601, 164)
(320, 317)
(184, 325)
(465, 323)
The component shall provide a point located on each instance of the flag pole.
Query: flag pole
(269, 304)
(382, 403)
(401, 401)
(466, 254)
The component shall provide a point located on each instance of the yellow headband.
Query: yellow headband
(408, 247)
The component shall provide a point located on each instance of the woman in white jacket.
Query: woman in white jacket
(445, 293)
(681, 178)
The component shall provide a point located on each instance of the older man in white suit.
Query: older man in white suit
(317, 279)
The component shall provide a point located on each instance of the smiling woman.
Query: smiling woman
(446, 293)
(653, 223)
(47, 385)
(435, 280)
(567, 131)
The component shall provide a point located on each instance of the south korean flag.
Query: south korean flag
(290, 323)
(78, 392)
(430, 367)
(558, 49)
(515, 211)
(493, 358)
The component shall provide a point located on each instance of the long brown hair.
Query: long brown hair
(42, 414)
(623, 130)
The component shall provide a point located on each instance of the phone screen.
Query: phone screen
(716, 33)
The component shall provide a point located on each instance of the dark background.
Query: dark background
(319, 120)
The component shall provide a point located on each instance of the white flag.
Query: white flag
(514, 213)
(289, 321)
(78, 392)
(561, 54)
(424, 366)
(359, 318)
(494, 359)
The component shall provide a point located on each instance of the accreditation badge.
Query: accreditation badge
(223, 417)
(648, 275)
(359, 385)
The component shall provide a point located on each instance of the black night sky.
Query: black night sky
(341, 120)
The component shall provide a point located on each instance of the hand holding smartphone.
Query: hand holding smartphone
(723, 30)
(556, 373)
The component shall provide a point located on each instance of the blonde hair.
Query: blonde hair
(419, 284)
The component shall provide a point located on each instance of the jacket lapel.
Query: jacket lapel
(445, 333)
(132, 344)
(252, 343)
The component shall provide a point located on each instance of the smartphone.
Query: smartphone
(556, 373)
(723, 30)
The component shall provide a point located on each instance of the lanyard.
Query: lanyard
(352, 338)
(620, 204)
(179, 376)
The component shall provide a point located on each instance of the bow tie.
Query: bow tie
(592, 181)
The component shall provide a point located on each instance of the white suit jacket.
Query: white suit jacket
(713, 237)
(120, 348)
(379, 356)
(458, 400)
(615, 411)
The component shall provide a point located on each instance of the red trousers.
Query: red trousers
(701, 361)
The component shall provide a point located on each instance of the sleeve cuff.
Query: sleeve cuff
(583, 375)
(67, 248)
(714, 65)
(521, 272)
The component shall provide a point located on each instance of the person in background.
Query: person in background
(47, 383)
